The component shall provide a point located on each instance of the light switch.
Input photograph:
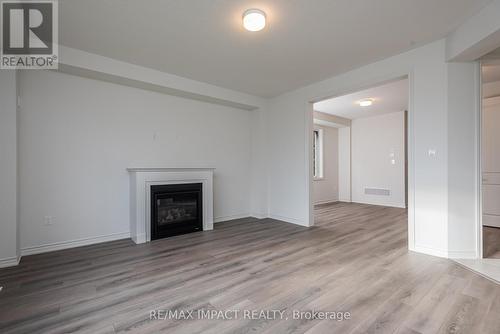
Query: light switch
(432, 152)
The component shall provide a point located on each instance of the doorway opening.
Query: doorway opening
(360, 159)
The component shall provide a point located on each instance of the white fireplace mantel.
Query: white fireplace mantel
(141, 180)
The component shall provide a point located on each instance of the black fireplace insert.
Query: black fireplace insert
(176, 209)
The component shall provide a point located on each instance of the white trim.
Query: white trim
(460, 254)
(431, 251)
(392, 205)
(259, 215)
(410, 170)
(328, 201)
(73, 243)
(444, 253)
(289, 220)
(319, 157)
(309, 127)
(9, 262)
(479, 181)
(231, 217)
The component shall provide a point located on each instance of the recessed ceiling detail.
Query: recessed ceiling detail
(390, 97)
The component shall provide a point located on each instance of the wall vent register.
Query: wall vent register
(377, 192)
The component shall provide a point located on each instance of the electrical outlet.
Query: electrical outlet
(49, 220)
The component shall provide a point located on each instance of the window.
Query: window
(318, 154)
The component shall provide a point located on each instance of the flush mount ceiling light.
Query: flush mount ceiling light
(365, 102)
(254, 20)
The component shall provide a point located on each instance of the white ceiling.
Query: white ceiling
(388, 98)
(305, 40)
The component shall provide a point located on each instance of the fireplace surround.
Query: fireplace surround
(143, 182)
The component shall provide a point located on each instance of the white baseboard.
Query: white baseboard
(392, 205)
(328, 201)
(9, 262)
(289, 220)
(231, 217)
(454, 254)
(431, 251)
(259, 215)
(445, 253)
(73, 243)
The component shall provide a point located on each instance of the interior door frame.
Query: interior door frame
(479, 160)
(410, 175)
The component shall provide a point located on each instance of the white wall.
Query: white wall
(8, 168)
(288, 188)
(374, 140)
(259, 182)
(345, 164)
(78, 135)
(326, 189)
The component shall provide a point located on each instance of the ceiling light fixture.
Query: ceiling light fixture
(365, 103)
(254, 19)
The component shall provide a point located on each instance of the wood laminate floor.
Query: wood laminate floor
(355, 259)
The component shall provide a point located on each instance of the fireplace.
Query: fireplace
(142, 182)
(176, 209)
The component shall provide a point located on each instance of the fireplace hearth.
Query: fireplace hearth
(176, 209)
